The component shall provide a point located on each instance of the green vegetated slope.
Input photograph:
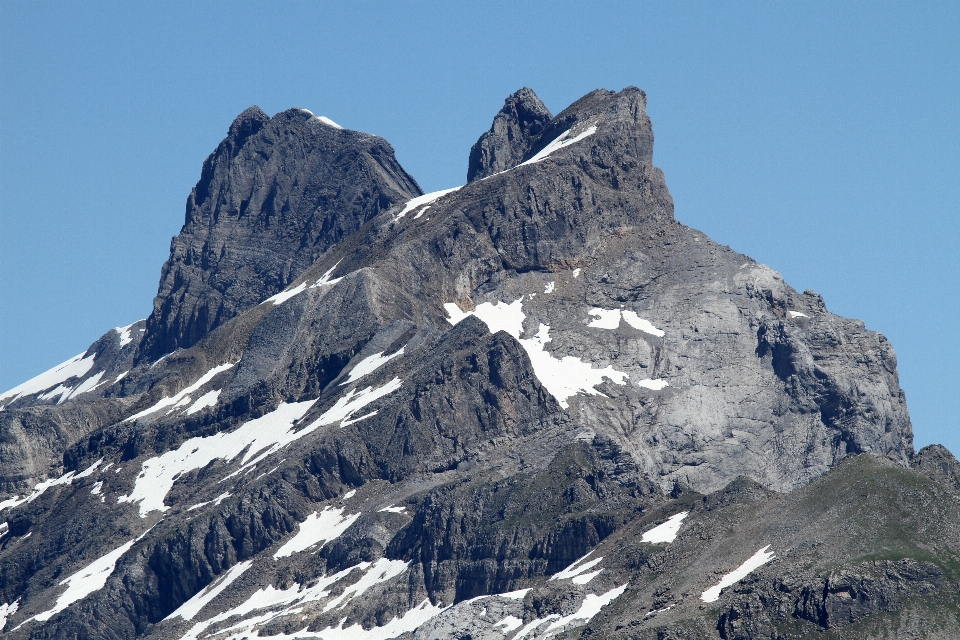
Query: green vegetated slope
(870, 550)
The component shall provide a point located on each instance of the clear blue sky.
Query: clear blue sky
(819, 138)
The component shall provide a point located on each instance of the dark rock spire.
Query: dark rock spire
(519, 122)
(274, 196)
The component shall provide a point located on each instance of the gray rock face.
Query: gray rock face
(38, 426)
(937, 463)
(274, 196)
(463, 417)
(507, 142)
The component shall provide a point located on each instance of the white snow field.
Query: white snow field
(279, 298)
(560, 142)
(426, 198)
(610, 319)
(666, 532)
(267, 434)
(562, 377)
(323, 119)
(75, 367)
(756, 560)
(269, 604)
(38, 490)
(318, 529)
(84, 582)
(189, 609)
(576, 572)
(591, 606)
(125, 333)
(7, 609)
(209, 399)
(370, 364)
(182, 398)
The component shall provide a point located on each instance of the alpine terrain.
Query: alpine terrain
(533, 406)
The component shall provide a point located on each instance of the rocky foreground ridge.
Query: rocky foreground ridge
(531, 406)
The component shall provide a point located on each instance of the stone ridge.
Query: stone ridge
(272, 198)
(514, 128)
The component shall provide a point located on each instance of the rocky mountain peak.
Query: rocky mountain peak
(514, 128)
(275, 195)
(513, 409)
(247, 124)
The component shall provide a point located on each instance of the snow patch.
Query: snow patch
(260, 437)
(591, 606)
(666, 532)
(89, 384)
(393, 509)
(125, 334)
(323, 119)
(640, 324)
(756, 560)
(182, 397)
(84, 582)
(548, 288)
(192, 607)
(610, 319)
(576, 272)
(215, 502)
(560, 142)
(383, 570)
(38, 490)
(797, 314)
(370, 364)
(268, 598)
(208, 399)
(509, 624)
(96, 488)
(656, 611)
(426, 198)
(409, 621)
(562, 377)
(325, 278)
(575, 569)
(75, 367)
(7, 610)
(586, 577)
(352, 402)
(605, 318)
(157, 474)
(279, 298)
(318, 529)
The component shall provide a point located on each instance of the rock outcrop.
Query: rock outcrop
(507, 142)
(274, 196)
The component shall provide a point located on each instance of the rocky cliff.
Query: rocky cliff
(274, 196)
(532, 405)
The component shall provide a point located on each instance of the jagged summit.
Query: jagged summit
(514, 128)
(272, 198)
(245, 125)
(531, 405)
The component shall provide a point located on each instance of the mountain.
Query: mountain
(531, 406)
